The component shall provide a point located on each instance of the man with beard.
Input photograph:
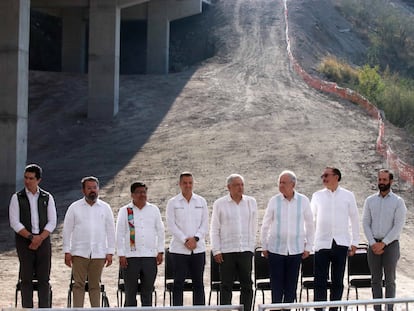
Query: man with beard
(383, 219)
(88, 241)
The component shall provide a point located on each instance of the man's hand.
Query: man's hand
(68, 260)
(108, 260)
(191, 243)
(160, 257)
(352, 251)
(378, 248)
(305, 254)
(218, 258)
(265, 253)
(123, 263)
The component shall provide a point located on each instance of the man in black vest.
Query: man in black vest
(32, 214)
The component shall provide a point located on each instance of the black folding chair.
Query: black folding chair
(104, 297)
(121, 289)
(307, 276)
(359, 275)
(261, 274)
(35, 284)
(169, 277)
(215, 281)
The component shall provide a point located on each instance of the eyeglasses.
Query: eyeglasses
(326, 175)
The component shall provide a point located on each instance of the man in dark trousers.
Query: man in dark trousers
(32, 214)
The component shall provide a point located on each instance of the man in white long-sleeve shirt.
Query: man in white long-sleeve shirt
(287, 236)
(88, 241)
(187, 221)
(140, 245)
(335, 210)
(233, 239)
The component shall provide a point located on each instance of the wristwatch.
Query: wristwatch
(196, 238)
(30, 237)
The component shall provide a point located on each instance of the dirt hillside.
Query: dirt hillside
(243, 110)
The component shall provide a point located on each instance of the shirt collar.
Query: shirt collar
(29, 192)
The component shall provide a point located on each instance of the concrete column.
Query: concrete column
(73, 40)
(14, 71)
(158, 37)
(104, 33)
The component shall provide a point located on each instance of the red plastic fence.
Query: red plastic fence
(404, 170)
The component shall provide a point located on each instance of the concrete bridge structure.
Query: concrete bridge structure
(101, 18)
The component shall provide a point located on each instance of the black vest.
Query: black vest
(24, 207)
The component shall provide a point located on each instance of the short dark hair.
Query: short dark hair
(390, 173)
(34, 168)
(185, 174)
(89, 178)
(336, 172)
(138, 184)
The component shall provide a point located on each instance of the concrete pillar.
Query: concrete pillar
(158, 37)
(73, 40)
(14, 71)
(104, 33)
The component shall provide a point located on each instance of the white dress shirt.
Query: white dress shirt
(334, 213)
(187, 219)
(89, 231)
(233, 226)
(149, 231)
(14, 213)
(287, 227)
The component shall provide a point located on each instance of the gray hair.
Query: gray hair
(230, 178)
(291, 174)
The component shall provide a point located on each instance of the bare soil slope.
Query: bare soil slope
(243, 111)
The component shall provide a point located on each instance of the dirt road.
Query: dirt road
(242, 111)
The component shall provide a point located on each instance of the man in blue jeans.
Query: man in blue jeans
(334, 209)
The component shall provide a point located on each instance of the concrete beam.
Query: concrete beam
(127, 3)
(183, 8)
(14, 74)
(104, 41)
(59, 3)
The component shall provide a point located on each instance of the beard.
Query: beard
(384, 187)
(92, 196)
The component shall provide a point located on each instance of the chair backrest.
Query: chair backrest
(214, 271)
(261, 266)
(307, 267)
(358, 264)
(168, 267)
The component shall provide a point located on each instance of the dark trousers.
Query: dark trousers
(34, 263)
(145, 270)
(236, 266)
(384, 264)
(192, 266)
(335, 257)
(284, 274)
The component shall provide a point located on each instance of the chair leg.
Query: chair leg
(263, 296)
(254, 297)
